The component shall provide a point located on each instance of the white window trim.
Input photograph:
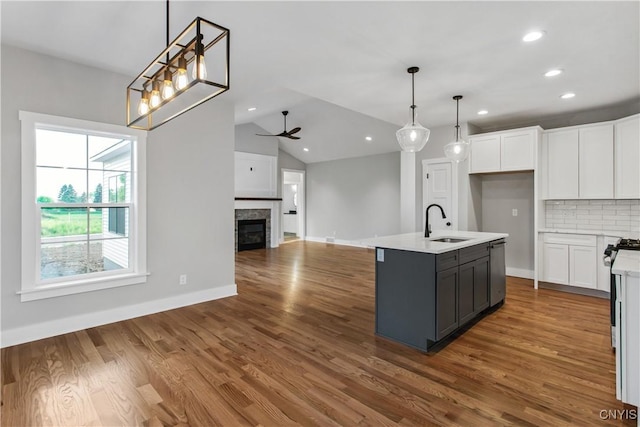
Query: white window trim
(137, 273)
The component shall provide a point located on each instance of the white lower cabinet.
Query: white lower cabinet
(583, 270)
(570, 259)
(556, 263)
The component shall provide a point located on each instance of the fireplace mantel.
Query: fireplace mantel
(264, 203)
(272, 199)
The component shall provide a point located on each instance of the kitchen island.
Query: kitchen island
(428, 288)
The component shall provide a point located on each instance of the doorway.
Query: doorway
(439, 185)
(293, 205)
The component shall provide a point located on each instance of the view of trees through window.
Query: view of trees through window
(83, 198)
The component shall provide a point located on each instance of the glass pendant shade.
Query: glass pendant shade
(457, 150)
(412, 137)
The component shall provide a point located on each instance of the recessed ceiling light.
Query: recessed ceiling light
(533, 36)
(251, 109)
(483, 112)
(553, 73)
(368, 138)
(305, 149)
(567, 95)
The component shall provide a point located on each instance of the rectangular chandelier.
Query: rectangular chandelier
(193, 69)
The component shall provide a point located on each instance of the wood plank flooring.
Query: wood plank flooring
(297, 347)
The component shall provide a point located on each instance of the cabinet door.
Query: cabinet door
(446, 302)
(485, 154)
(480, 284)
(517, 151)
(627, 156)
(582, 266)
(465, 293)
(562, 164)
(596, 162)
(555, 259)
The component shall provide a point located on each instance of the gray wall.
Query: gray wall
(189, 194)
(355, 198)
(247, 141)
(500, 194)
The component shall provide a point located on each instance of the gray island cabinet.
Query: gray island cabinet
(427, 289)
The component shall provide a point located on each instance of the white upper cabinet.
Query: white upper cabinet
(562, 164)
(518, 150)
(627, 158)
(484, 154)
(512, 150)
(579, 162)
(595, 165)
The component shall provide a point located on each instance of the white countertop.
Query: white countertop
(620, 234)
(627, 263)
(416, 242)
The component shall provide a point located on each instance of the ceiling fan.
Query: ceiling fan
(285, 133)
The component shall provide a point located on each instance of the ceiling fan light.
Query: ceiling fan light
(412, 137)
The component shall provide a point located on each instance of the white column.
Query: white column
(407, 192)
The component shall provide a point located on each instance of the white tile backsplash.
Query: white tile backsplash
(603, 215)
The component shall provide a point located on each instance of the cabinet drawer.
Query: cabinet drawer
(473, 253)
(570, 239)
(446, 260)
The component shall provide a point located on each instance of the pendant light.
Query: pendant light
(413, 136)
(457, 150)
(163, 90)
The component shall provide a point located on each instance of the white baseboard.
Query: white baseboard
(519, 272)
(75, 323)
(354, 243)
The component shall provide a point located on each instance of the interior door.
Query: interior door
(438, 188)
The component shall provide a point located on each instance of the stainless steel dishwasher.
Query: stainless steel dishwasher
(498, 280)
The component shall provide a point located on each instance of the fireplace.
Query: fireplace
(252, 234)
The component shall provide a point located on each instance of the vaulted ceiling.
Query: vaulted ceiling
(340, 67)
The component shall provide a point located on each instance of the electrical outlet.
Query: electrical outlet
(183, 279)
(514, 212)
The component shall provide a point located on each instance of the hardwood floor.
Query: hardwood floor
(297, 346)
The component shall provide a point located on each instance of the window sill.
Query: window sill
(81, 286)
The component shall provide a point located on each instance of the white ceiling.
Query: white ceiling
(340, 67)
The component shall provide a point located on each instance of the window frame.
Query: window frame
(32, 288)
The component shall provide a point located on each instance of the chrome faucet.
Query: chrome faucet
(427, 226)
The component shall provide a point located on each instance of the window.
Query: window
(83, 205)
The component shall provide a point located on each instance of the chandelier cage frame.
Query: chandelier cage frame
(199, 39)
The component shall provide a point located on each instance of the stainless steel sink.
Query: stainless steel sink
(448, 240)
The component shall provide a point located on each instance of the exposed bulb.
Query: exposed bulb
(143, 106)
(155, 100)
(413, 135)
(199, 68)
(182, 79)
(167, 85)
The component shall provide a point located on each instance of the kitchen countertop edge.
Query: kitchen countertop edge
(416, 242)
(611, 233)
(627, 263)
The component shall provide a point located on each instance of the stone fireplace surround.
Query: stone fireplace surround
(260, 208)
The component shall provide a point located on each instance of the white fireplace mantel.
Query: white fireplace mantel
(274, 206)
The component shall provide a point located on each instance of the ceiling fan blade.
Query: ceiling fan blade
(294, 130)
(260, 134)
(293, 137)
